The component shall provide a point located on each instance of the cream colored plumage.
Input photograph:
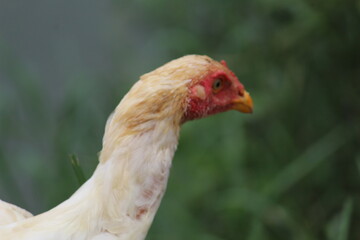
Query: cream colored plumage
(121, 198)
(10, 213)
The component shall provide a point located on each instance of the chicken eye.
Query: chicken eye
(217, 85)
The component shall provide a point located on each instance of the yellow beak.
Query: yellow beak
(243, 103)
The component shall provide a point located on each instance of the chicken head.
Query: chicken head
(218, 90)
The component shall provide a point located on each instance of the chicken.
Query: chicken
(121, 198)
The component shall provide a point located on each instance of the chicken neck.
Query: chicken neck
(134, 178)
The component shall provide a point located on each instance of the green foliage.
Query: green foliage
(291, 170)
(77, 169)
(338, 228)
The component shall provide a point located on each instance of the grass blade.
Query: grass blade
(310, 159)
(338, 228)
(345, 220)
(77, 169)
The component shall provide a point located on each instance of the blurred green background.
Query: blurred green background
(291, 170)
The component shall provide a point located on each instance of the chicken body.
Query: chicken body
(121, 198)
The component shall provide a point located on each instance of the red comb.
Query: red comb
(224, 63)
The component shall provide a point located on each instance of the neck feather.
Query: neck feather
(134, 178)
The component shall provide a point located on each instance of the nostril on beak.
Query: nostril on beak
(241, 91)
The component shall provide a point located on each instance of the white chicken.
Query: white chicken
(121, 198)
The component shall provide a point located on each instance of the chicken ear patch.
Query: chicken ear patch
(199, 91)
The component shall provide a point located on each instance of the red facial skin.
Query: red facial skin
(215, 100)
